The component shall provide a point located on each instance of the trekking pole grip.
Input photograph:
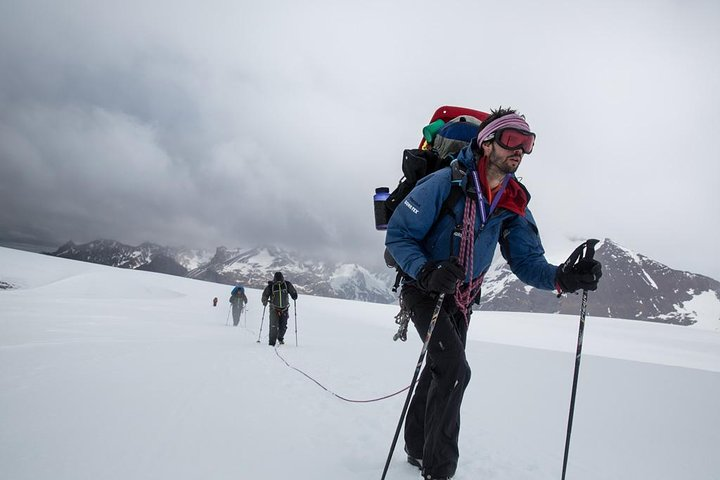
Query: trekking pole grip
(590, 248)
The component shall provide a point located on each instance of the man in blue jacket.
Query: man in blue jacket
(238, 300)
(447, 249)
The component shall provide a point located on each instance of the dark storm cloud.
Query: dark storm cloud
(245, 124)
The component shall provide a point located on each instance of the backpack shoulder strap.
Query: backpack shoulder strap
(456, 193)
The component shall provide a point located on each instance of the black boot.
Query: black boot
(412, 460)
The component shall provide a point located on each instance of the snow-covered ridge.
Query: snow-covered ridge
(251, 267)
(633, 285)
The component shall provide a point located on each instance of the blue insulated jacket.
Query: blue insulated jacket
(415, 238)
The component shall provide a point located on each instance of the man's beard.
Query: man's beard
(501, 164)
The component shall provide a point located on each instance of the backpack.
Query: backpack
(237, 289)
(450, 130)
(279, 295)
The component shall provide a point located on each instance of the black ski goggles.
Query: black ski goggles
(513, 139)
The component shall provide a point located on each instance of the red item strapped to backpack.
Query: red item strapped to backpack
(447, 113)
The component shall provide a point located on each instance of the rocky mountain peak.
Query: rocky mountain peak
(633, 286)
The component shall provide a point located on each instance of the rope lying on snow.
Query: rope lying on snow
(333, 393)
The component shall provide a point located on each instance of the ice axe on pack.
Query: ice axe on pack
(577, 256)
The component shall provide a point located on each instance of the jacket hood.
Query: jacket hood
(278, 277)
(467, 158)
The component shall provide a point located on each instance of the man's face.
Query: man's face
(507, 161)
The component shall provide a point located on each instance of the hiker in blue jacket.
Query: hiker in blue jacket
(238, 300)
(448, 252)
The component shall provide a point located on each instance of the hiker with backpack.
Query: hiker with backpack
(238, 300)
(277, 294)
(443, 236)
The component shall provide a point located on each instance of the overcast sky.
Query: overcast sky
(242, 123)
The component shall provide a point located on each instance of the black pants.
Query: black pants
(278, 324)
(432, 425)
(236, 312)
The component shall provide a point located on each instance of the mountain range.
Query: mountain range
(633, 286)
(251, 267)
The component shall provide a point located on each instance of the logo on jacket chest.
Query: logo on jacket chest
(409, 205)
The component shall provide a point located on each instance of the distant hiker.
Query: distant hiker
(448, 251)
(277, 292)
(215, 300)
(238, 300)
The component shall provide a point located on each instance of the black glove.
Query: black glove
(583, 275)
(441, 276)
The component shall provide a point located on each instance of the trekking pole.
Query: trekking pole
(589, 253)
(227, 320)
(245, 321)
(295, 311)
(261, 323)
(433, 320)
